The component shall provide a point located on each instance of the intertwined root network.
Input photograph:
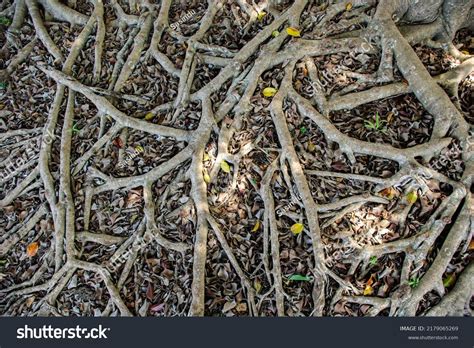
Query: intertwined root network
(196, 220)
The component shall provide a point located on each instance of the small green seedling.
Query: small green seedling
(5, 21)
(373, 260)
(74, 129)
(303, 130)
(414, 282)
(377, 125)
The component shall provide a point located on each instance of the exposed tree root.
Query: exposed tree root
(219, 124)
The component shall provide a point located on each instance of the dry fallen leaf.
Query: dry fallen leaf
(297, 228)
(293, 32)
(368, 287)
(118, 142)
(149, 116)
(261, 14)
(256, 226)
(269, 92)
(241, 307)
(368, 290)
(225, 167)
(412, 197)
(257, 285)
(449, 280)
(389, 192)
(32, 249)
(149, 292)
(349, 6)
(207, 178)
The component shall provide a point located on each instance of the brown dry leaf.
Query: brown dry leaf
(118, 142)
(368, 287)
(389, 192)
(32, 249)
(390, 117)
(133, 198)
(149, 292)
(29, 301)
(241, 307)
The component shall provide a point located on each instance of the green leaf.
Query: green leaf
(373, 260)
(3, 262)
(303, 130)
(3, 85)
(299, 277)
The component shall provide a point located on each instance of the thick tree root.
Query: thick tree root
(220, 124)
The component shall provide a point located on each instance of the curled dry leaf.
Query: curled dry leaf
(256, 226)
